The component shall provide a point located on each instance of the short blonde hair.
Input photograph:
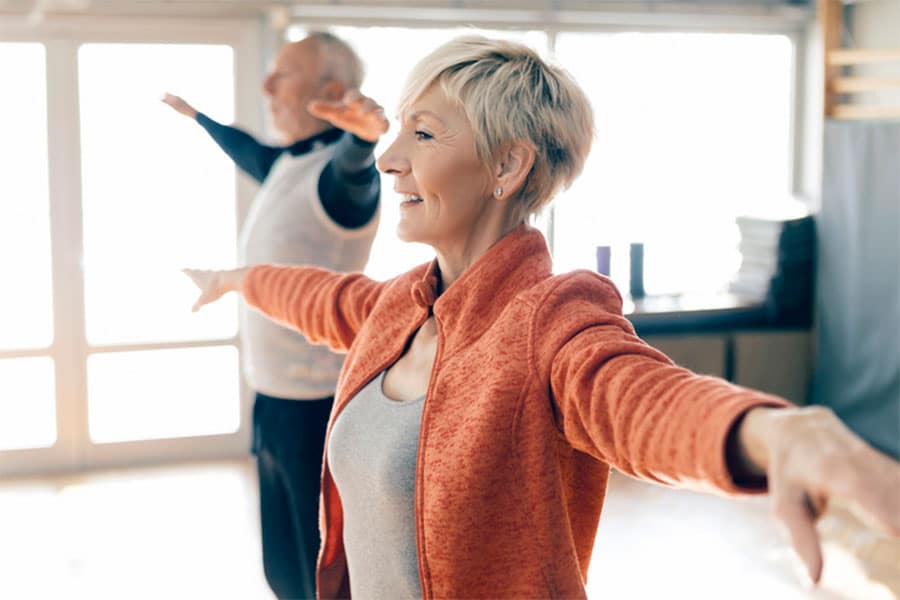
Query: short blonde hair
(509, 93)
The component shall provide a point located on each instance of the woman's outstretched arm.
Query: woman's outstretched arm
(625, 403)
(327, 307)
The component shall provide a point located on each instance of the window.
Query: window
(111, 194)
(26, 313)
(157, 196)
(692, 129)
(27, 401)
(159, 394)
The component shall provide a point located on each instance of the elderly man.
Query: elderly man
(318, 205)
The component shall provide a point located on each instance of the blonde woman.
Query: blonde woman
(483, 400)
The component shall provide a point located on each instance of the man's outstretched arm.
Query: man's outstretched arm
(248, 154)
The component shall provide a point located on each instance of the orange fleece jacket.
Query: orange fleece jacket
(539, 386)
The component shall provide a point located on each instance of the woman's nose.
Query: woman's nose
(391, 162)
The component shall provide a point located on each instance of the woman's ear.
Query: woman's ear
(513, 168)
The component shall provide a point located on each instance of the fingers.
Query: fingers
(204, 280)
(817, 459)
(198, 276)
(871, 481)
(172, 100)
(852, 471)
(886, 507)
(204, 299)
(353, 102)
(326, 109)
(353, 95)
(179, 105)
(355, 113)
(797, 513)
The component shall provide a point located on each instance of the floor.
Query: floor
(191, 532)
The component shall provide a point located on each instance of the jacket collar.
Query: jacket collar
(473, 302)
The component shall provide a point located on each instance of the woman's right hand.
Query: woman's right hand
(178, 103)
(215, 284)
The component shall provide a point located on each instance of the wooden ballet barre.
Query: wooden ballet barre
(836, 82)
(849, 85)
(864, 111)
(845, 57)
(853, 85)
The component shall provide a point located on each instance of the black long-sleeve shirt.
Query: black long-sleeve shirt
(349, 185)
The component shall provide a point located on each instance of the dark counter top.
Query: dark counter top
(696, 313)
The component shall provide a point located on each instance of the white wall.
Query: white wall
(875, 24)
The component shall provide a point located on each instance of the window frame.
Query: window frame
(69, 350)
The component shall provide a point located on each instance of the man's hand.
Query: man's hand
(215, 284)
(358, 114)
(179, 105)
(809, 457)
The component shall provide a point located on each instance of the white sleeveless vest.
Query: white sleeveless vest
(287, 225)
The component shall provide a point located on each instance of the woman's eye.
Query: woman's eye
(422, 136)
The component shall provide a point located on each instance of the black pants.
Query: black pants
(288, 440)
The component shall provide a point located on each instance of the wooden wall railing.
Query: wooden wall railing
(840, 88)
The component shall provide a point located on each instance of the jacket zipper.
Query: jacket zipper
(419, 492)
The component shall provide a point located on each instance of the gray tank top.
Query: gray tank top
(372, 457)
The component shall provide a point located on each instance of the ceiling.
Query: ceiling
(200, 8)
(248, 8)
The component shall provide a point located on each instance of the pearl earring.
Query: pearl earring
(498, 192)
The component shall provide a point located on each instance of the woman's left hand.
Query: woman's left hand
(809, 456)
(358, 114)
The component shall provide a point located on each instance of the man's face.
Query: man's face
(295, 79)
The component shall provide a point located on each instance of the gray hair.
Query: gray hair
(508, 94)
(339, 61)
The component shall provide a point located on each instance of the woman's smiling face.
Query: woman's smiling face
(445, 188)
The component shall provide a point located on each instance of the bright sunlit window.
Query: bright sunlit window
(160, 394)
(154, 195)
(692, 129)
(27, 385)
(26, 317)
(158, 195)
(27, 403)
